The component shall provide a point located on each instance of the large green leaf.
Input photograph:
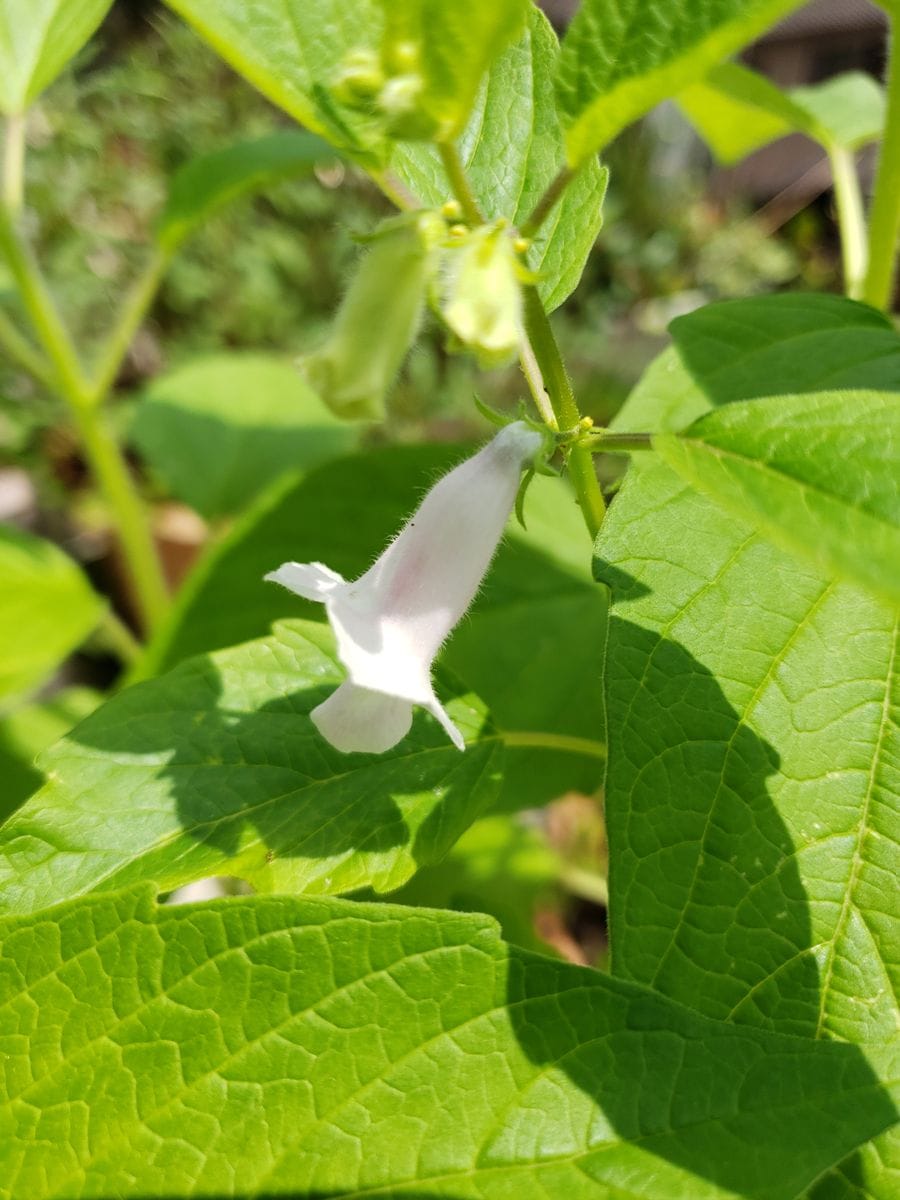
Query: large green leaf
(736, 349)
(221, 429)
(204, 184)
(293, 51)
(753, 771)
(512, 148)
(217, 769)
(47, 608)
(621, 57)
(538, 607)
(742, 349)
(282, 1047)
(793, 343)
(37, 39)
(818, 474)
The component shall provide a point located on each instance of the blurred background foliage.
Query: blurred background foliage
(147, 95)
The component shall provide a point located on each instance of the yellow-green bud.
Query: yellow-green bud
(359, 78)
(481, 298)
(378, 318)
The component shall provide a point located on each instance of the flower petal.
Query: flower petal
(312, 581)
(357, 719)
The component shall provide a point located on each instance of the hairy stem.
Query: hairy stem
(851, 219)
(459, 183)
(884, 217)
(562, 399)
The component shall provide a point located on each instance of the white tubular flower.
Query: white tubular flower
(391, 622)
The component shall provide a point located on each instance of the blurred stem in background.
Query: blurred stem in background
(851, 219)
(884, 217)
(64, 374)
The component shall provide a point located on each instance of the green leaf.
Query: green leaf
(293, 51)
(736, 349)
(787, 344)
(736, 111)
(37, 39)
(512, 148)
(742, 349)
(283, 1047)
(206, 183)
(537, 608)
(29, 730)
(753, 771)
(216, 769)
(47, 609)
(621, 57)
(849, 109)
(451, 45)
(872, 1173)
(221, 429)
(817, 474)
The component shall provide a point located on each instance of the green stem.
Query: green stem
(21, 351)
(884, 216)
(115, 482)
(132, 314)
(459, 183)
(118, 637)
(547, 202)
(101, 449)
(601, 442)
(554, 741)
(851, 218)
(14, 162)
(534, 379)
(587, 884)
(41, 310)
(559, 391)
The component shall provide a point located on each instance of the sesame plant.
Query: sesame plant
(388, 652)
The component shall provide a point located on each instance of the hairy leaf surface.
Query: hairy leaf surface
(276, 1046)
(819, 474)
(216, 769)
(621, 57)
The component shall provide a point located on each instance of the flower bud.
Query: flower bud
(390, 623)
(378, 319)
(481, 298)
(359, 78)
